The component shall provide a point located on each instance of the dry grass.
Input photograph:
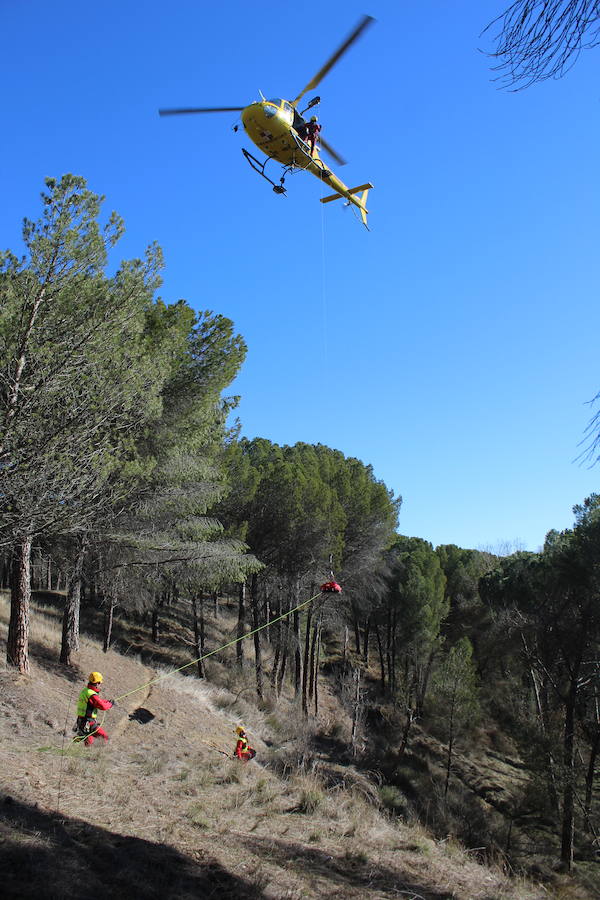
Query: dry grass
(162, 798)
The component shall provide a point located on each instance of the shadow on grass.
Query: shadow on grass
(331, 747)
(350, 870)
(141, 715)
(48, 657)
(131, 632)
(46, 855)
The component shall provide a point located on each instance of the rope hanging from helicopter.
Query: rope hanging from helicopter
(332, 584)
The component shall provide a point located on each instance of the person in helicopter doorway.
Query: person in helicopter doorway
(88, 705)
(302, 130)
(312, 133)
(242, 749)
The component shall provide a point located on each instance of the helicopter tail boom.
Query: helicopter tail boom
(349, 193)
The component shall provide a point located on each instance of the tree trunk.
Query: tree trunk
(241, 624)
(297, 656)
(568, 810)
(391, 649)
(366, 635)
(317, 655)
(5, 569)
(108, 623)
(276, 639)
(450, 745)
(591, 769)
(356, 711)
(17, 648)
(356, 624)
(155, 625)
(70, 623)
(284, 654)
(423, 683)
(410, 718)
(312, 667)
(274, 668)
(388, 650)
(41, 571)
(267, 634)
(284, 644)
(199, 634)
(158, 604)
(541, 703)
(36, 570)
(257, 644)
(305, 668)
(14, 393)
(282, 668)
(215, 600)
(553, 790)
(297, 651)
(345, 650)
(381, 658)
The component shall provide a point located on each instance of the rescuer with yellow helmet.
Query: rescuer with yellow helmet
(242, 749)
(88, 704)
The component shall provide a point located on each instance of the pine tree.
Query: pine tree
(75, 378)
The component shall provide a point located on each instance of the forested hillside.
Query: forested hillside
(467, 684)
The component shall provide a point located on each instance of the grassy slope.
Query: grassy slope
(159, 812)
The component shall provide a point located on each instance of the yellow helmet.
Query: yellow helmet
(95, 678)
(239, 730)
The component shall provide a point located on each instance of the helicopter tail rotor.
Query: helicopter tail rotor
(360, 202)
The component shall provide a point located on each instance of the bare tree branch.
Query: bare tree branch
(541, 39)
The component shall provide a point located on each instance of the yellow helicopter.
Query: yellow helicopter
(283, 134)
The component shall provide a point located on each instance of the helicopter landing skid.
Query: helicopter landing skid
(259, 167)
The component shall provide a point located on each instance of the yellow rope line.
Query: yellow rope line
(218, 649)
(82, 737)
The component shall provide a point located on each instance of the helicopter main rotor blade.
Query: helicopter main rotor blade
(364, 23)
(201, 109)
(329, 149)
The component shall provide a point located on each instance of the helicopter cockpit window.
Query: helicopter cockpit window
(288, 109)
(271, 111)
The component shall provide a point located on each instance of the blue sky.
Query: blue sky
(454, 346)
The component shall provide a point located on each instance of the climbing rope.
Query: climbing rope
(82, 737)
(323, 290)
(213, 746)
(218, 649)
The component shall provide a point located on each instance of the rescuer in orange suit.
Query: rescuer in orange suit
(88, 705)
(312, 133)
(242, 749)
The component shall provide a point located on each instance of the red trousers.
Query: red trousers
(247, 754)
(98, 732)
